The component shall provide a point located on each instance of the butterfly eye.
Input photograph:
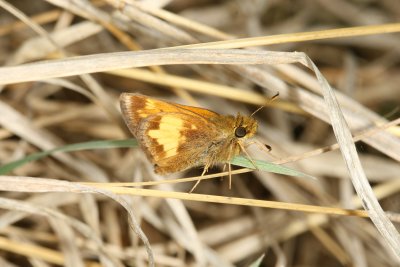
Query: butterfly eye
(240, 132)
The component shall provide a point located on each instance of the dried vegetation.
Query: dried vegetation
(63, 209)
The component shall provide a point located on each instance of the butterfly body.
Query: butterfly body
(177, 137)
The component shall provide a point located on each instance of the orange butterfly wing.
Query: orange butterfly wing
(137, 107)
(174, 137)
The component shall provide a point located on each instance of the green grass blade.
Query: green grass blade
(104, 144)
(132, 143)
(268, 166)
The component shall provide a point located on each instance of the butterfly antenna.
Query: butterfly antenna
(257, 110)
(269, 101)
(274, 97)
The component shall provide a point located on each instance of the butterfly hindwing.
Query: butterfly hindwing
(174, 140)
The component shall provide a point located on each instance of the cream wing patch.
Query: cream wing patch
(143, 113)
(169, 134)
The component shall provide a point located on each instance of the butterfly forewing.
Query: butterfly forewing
(137, 107)
(174, 137)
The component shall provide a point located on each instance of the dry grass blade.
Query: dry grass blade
(182, 21)
(106, 62)
(359, 179)
(358, 137)
(233, 201)
(29, 184)
(204, 87)
(299, 37)
(40, 19)
(191, 55)
(20, 126)
(46, 254)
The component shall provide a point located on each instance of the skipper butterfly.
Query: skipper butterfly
(177, 137)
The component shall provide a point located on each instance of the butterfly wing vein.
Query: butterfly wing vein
(174, 137)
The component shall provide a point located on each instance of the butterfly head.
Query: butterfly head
(245, 127)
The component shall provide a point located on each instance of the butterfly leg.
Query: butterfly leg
(247, 154)
(266, 148)
(224, 167)
(230, 175)
(262, 146)
(230, 168)
(199, 180)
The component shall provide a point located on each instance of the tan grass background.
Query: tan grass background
(335, 65)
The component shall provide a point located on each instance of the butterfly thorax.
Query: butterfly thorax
(232, 133)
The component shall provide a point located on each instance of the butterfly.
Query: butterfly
(176, 137)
